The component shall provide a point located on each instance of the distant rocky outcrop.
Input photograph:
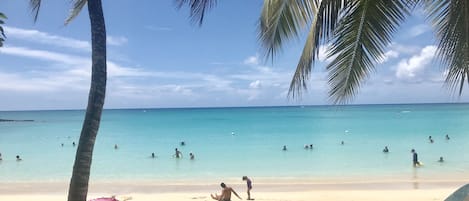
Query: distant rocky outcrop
(13, 120)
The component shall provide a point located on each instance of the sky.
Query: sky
(157, 58)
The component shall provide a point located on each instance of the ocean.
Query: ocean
(232, 142)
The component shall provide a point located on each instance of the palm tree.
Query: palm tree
(358, 32)
(78, 189)
(2, 34)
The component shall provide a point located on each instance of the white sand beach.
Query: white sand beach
(284, 191)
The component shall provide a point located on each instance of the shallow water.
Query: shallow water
(231, 142)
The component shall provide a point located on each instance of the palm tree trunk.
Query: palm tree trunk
(81, 169)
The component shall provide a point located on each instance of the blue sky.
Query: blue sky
(157, 58)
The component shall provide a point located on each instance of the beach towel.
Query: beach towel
(113, 198)
(105, 199)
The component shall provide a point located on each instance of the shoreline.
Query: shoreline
(157, 186)
(424, 191)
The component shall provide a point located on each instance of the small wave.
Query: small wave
(405, 111)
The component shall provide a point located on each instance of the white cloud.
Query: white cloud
(388, 55)
(42, 55)
(46, 38)
(419, 30)
(409, 68)
(255, 85)
(116, 40)
(252, 60)
(76, 64)
(404, 49)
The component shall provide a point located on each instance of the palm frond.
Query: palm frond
(198, 8)
(326, 13)
(2, 33)
(281, 21)
(451, 23)
(361, 37)
(75, 10)
(35, 6)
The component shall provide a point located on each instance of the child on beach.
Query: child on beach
(249, 185)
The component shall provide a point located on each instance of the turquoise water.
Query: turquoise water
(254, 149)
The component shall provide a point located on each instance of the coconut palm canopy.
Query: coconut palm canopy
(359, 32)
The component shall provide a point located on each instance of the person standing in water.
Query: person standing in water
(249, 186)
(177, 153)
(191, 156)
(415, 158)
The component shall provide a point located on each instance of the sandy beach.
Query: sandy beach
(422, 190)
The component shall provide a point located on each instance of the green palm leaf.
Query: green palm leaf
(75, 10)
(451, 23)
(35, 6)
(2, 33)
(198, 8)
(324, 22)
(363, 33)
(282, 20)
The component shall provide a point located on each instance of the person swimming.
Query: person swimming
(385, 150)
(311, 146)
(0, 156)
(183, 143)
(306, 146)
(177, 154)
(441, 160)
(73, 144)
(18, 158)
(447, 137)
(342, 143)
(153, 155)
(415, 159)
(116, 147)
(430, 139)
(284, 148)
(191, 155)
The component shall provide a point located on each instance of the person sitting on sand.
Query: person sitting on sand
(178, 154)
(441, 160)
(225, 193)
(249, 185)
(385, 150)
(18, 158)
(284, 148)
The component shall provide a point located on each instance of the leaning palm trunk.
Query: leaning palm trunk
(81, 169)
